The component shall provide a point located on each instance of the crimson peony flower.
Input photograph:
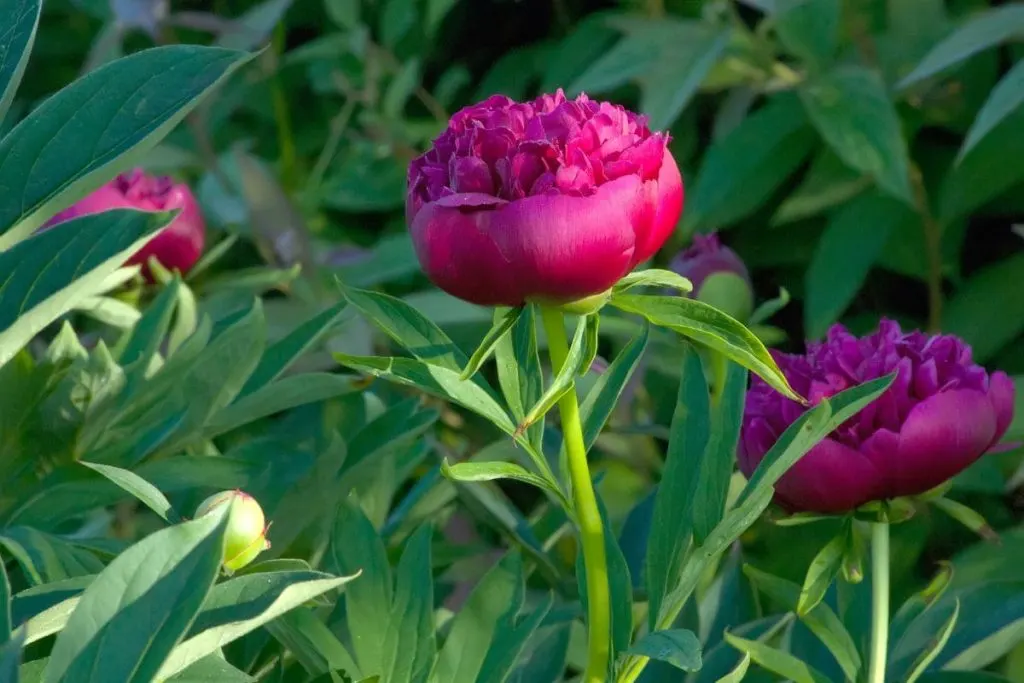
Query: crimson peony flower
(551, 201)
(718, 274)
(180, 244)
(941, 414)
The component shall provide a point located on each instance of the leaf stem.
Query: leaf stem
(588, 515)
(879, 601)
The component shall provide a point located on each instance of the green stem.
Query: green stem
(879, 601)
(588, 515)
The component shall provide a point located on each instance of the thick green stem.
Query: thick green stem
(879, 601)
(588, 515)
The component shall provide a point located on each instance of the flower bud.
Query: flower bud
(719, 276)
(179, 245)
(246, 535)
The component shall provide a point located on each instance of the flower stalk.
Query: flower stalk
(588, 515)
(879, 601)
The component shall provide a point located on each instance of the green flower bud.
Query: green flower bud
(246, 535)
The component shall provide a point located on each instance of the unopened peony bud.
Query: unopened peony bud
(247, 530)
(719, 276)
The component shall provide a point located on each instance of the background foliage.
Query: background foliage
(866, 155)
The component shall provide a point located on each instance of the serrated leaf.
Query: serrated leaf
(678, 647)
(501, 327)
(20, 18)
(138, 487)
(45, 276)
(712, 328)
(134, 613)
(987, 29)
(100, 124)
(851, 109)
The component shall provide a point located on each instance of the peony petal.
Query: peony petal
(831, 478)
(668, 198)
(548, 247)
(941, 437)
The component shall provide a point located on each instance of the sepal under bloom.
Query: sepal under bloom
(941, 414)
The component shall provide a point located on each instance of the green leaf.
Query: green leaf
(738, 672)
(563, 382)
(777, 661)
(719, 454)
(501, 327)
(279, 356)
(519, 372)
(544, 658)
(433, 379)
(653, 277)
(354, 548)
(742, 170)
(604, 394)
(10, 657)
(828, 182)
(808, 430)
(491, 471)
(211, 669)
(134, 613)
(141, 489)
(407, 326)
(821, 620)
(243, 604)
(851, 109)
(279, 396)
(409, 647)
(987, 29)
(711, 327)
(5, 604)
(311, 642)
(672, 524)
(809, 29)
(970, 518)
(990, 169)
(824, 568)
(591, 340)
(1006, 97)
(488, 633)
(971, 315)
(138, 346)
(678, 647)
(100, 124)
(769, 308)
(851, 244)
(45, 276)
(45, 558)
(19, 19)
(933, 651)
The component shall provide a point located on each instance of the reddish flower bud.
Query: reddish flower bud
(179, 245)
(941, 414)
(718, 274)
(246, 535)
(552, 200)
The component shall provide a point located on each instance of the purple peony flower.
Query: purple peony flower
(941, 414)
(718, 274)
(179, 245)
(552, 200)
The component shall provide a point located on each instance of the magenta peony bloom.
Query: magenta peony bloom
(718, 274)
(941, 414)
(552, 200)
(180, 244)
